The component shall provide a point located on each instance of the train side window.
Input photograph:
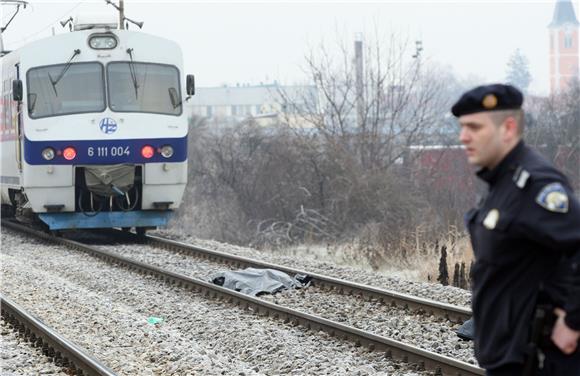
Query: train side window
(7, 111)
(5, 105)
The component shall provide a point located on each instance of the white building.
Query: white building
(266, 103)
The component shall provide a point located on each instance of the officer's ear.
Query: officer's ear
(511, 128)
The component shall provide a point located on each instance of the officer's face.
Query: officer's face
(482, 139)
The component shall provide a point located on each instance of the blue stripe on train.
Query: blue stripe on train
(105, 151)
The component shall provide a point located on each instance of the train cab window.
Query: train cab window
(142, 87)
(66, 89)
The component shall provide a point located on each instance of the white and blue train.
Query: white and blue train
(93, 129)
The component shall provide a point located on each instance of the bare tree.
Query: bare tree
(399, 104)
(337, 166)
(554, 129)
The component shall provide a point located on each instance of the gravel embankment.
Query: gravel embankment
(105, 309)
(19, 358)
(428, 332)
(437, 292)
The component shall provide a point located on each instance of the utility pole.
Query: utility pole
(359, 84)
(122, 18)
(121, 14)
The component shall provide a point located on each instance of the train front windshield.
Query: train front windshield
(142, 87)
(66, 89)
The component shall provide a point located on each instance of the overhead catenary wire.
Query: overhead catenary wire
(44, 28)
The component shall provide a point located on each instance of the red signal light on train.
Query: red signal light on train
(69, 153)
(147, 151)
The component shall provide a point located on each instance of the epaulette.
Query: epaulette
(521, 177)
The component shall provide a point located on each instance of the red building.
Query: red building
(563, 46)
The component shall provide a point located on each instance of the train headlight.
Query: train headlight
(103, 42)
(69, 153)
(48, 154)
(147, 151)
(167, 151)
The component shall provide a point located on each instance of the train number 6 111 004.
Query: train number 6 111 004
(108, 151)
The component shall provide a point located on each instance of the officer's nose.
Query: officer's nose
(464, 135)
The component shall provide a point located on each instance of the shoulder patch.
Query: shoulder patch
(554, 198)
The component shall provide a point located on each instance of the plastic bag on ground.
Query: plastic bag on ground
(252, 281)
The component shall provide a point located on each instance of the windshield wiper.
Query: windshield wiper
(61, 75)
(133, 73)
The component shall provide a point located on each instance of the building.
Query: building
(266, 104)
(564, 65)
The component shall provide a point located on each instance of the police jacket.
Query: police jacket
(522, 233)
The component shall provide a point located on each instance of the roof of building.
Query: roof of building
(564, 14)
(249, 95)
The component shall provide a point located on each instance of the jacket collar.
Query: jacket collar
(508, 164)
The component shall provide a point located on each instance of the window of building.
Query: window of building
(234, 110)
(209, 111)
(568, 41)
(258, 109)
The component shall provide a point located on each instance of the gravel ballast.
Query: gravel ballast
(429, 332)
(105, 309)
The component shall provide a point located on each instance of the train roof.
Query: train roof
(58, 49)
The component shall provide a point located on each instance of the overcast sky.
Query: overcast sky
(252, 42)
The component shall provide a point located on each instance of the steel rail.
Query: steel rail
(54, 345)
(441, 365)
(453, 313)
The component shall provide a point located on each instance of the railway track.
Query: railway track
(440, 365)
(450, 312)
(62, 351)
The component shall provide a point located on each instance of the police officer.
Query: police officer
(526, 239)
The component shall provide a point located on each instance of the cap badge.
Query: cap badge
(491, 219)
(554, 198)
(489, 101)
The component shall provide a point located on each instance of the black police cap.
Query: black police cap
(488, 98)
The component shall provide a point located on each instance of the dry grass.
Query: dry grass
(417, 253)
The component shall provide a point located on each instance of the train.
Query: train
(93, 130)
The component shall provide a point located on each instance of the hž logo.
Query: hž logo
(108, 125)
